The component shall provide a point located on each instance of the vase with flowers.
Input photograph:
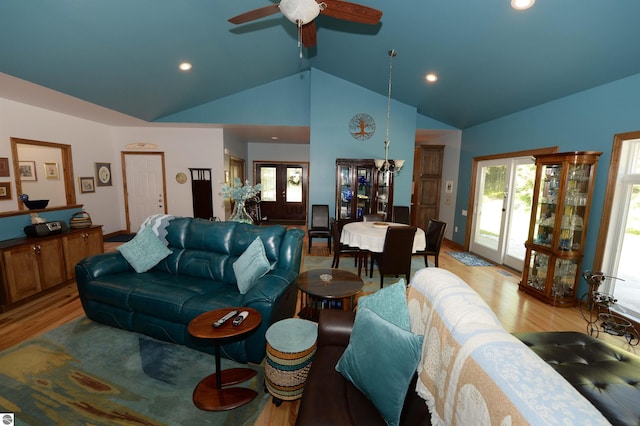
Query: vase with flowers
(239, 194)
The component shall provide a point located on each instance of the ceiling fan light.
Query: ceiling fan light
(300, 11)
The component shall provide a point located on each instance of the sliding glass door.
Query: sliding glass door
(502, 209)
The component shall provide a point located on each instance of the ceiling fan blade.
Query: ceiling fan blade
(254, 14)
(351, 12)
(308, 34)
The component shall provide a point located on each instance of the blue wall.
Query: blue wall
(283, 102)
(586, 121)
(334, 102)
(12, 227)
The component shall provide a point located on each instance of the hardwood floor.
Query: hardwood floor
(498, 287)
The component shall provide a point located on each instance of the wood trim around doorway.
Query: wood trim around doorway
(474, 170)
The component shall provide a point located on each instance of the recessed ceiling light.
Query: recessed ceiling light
(185, 66)
(431, 77)
(522, 4)
(274, 138)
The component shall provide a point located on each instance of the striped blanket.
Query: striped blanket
(158, 223)
(473, 372)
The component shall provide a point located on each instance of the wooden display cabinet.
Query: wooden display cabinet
(361, 189)
(559, 217)
(33, 265)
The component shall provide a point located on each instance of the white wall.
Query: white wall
(91, 142)
(183, 148)
(94, 142)
(281, 152)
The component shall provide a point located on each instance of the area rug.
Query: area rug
(469, 259)
(85, 373)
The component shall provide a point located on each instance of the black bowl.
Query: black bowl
(36, 204)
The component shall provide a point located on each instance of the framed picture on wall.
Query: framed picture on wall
(103, 174)
(4, 167)
(51, 171)
(5, 190)
(87, 184)
(27, 170)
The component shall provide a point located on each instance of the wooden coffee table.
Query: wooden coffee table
(211, 393)
(320, 294)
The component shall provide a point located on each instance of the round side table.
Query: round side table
(291, 345)
(211, 394)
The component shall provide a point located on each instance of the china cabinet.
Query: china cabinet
(559, 216)
(361, 189)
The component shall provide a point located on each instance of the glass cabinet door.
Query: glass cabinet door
(365, 182)
(575, 207)
(383, 195)
(547, 204)
(346, 194)
(538, 266)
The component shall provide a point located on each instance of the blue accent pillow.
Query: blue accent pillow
(145, 251)
(390, 303)
(251, 265)
(380, 361)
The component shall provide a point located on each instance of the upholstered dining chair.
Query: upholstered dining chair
(434, 235)
(320, 224)
(401, 214)
(340, 249)
(395, 258)
(373, 217)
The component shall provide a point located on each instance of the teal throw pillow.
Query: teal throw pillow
(251, 265)
(390, 303)
(380, 361)
(145, 251)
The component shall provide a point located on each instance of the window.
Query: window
(622, 226)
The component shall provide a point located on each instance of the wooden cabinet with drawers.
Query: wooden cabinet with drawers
(32, 265)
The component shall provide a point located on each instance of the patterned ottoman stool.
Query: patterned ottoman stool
(291, 345)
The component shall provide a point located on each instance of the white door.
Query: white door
(502, 210)
(144, 187)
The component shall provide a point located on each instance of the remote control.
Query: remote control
(240, 318)
(224, 319)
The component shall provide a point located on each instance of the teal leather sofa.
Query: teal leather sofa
(197, 277)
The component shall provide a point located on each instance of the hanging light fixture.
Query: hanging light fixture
(387, 165)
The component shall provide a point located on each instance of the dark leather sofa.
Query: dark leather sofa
(197, 277)
(605, 375)
(330, 399)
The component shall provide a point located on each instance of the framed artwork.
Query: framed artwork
(87, 184)
(51, 171)
(4, 167)
(27, 170)
(5, 190)
(103, 174)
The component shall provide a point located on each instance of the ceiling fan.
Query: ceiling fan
(303, 12)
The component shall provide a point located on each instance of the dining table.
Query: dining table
(370, 236)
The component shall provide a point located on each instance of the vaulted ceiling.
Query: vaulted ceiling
(491, 60)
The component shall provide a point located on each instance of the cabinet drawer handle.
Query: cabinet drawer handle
(36, 248)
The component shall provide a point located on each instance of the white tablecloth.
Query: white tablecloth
(367, 236)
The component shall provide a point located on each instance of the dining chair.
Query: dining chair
(434, 235)
(320, 224)
(401, 214)
(373, 217)
(340, 249)
(395, 258)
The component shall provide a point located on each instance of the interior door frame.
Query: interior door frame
(474, 172)
(257, 164)
(123, 156)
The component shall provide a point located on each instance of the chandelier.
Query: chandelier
(387, 165)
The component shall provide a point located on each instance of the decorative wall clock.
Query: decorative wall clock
(181, 178)
(362, 126)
